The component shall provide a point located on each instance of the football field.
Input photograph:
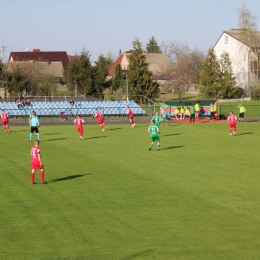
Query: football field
(108, 197)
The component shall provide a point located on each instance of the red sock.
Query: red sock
(42, 176)
(101, 127)
(32, 177)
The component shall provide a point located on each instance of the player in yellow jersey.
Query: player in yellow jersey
(186, 112)
(197, 109)
(242, 111)
(176, 112)
(182, 115)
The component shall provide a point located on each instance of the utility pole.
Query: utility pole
(2, 52)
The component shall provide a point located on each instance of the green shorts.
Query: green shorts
(155, 138)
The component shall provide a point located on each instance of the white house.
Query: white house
(241, 49)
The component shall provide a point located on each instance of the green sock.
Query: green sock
(158, 146)
(30, 137)
(151, 145)
(38, 137)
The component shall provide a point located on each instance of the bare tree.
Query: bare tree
(174, 50)
(185, 67)
(251, 37)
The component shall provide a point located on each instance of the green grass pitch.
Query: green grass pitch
(108, 197)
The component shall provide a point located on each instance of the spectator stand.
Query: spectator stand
(62, 109)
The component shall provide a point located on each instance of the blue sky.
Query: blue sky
(102, 26)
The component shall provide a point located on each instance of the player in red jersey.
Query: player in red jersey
(78, 122)
(36, 162)
(5, 121)
(232, 120)
(131, 116)
(100, 119)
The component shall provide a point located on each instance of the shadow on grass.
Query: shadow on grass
(112, 129)
(170, 134)
(172, 147)
(174, 124)
(55, 133)
(21, 131)
(95, 137)
(68, 178)
(139, 254)
(56, 139)
(249, 133)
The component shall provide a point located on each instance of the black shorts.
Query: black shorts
(241, 115)
(34, 129)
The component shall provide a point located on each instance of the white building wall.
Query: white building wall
(124, 63)
(238, 54)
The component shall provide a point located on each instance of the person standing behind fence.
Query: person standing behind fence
(232, 120)
(34, 124)
(212, 112)
(192, 115)
(72, 106)
(242, 111)
(197, 109)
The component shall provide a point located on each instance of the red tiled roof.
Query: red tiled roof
(50, 56)
(112, 68)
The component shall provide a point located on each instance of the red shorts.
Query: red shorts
(197, 112)
(80, 130)
(232, 125)
(36, 166)
(5, 122)
(101, 121)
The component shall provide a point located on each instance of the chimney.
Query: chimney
(36, 50)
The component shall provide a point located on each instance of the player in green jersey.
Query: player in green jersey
(156, 118)
(154, 131)
(163, 116)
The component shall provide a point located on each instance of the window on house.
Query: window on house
(226, 39)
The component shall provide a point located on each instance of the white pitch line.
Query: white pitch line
(15, 166)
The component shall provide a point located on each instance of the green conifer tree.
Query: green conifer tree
(78, 74)
(99, 76)
(227, 83)
(152, 46)
(140, 78)
(210, 75)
